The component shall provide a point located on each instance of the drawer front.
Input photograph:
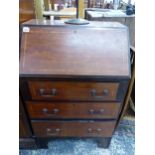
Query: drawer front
(79, 110)
(78, 91)
(73, 129)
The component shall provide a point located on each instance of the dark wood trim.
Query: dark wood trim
(24, 89)
(76, 78)
(74, 119)
(23, 116)
(122, 90)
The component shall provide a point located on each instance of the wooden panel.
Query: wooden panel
(26, 10)
(73, 110)
(81, 91)
(73, 129)
(75, 50)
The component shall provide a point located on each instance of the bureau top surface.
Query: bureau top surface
(55, 48)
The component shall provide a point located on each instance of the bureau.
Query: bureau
(73, 79)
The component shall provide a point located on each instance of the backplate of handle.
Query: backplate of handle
(51, 93)
(51, 112)
(51, 132)
(90, 130)
(94, 93)
(92, 111)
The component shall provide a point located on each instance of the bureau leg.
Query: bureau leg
(42, 143)
(27, 143)
(103, 142)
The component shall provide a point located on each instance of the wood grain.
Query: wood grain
(81, 91)
(26, 10)
(75, 50)
(73, 129)
(83, 110)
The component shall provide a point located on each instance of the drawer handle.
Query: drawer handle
(52, 93)
(90, 130)
(92, 111)
(51, 132)
(94, 93)
(50, 113)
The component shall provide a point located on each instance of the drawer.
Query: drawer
(79, 110)
(73, 128)
(74, 91)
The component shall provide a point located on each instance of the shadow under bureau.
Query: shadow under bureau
(73, 79)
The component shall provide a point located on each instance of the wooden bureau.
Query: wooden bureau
(73, 79)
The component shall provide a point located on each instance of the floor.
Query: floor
(122, 143)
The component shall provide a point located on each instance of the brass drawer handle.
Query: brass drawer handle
(52, 93)
(90, 130)
(96, 112)
(50, 113)
(51, 132)
(94, 93)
